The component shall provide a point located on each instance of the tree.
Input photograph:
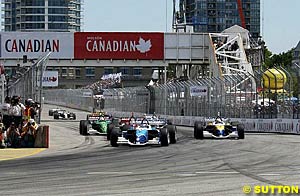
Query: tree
(283, 59)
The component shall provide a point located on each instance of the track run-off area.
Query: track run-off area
(87, 165)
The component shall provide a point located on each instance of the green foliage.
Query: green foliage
(283, 59)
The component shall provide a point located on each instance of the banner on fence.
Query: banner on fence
(197, 91)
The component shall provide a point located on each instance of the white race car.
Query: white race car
(63, 114)
(51, 111)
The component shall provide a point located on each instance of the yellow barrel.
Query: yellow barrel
(277, 79)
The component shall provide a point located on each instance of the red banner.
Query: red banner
(115, 45)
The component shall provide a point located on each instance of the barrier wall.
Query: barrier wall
(291, 126)
(42, 137)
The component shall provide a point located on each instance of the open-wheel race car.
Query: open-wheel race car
(144, 131)
(52, 111)
(97, 123)
(63, 114)
(218, 128)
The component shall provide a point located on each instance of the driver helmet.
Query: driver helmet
(31, 121)
(101, 118)
(218, 120)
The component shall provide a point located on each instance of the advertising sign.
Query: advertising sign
(36, 44)
(116, 45)
(50, 79)
(197, 91)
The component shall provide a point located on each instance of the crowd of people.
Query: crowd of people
(17, 123)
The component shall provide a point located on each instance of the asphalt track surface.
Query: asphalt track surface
(88, 165)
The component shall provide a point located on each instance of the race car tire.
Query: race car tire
(164, 137)
(241, 131)
(114, 137)
(85, 126)
(56, 116)
(74, 116)
(50, 112)
(110, 127)
(169, 122)
(172, 132)
(81, 127)
(198, 130)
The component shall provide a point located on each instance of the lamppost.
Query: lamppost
(7, 81)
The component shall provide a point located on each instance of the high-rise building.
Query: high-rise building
(214, 16)
(42, 15)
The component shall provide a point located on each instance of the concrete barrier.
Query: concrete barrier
(42, 137)
(290, 126)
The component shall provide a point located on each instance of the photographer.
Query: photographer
(29, 133)
(2, 135)
(13, 136)
(5, 111)
(16, 110)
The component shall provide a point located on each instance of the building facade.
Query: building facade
(42, 15)
(213, 16)
(296, 55)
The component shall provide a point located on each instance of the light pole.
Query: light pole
(7, 81)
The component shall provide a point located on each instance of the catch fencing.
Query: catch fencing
(27, 80)
(74, 98)
(229, 96)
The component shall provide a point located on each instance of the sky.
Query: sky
(280, 24)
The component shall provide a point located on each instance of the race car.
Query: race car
(218, 128)
(63, 114)
(143, 131)
(153, 120)
(51, 111)
(97, 123)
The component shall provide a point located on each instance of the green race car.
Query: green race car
(97, 123)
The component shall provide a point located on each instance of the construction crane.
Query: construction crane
(241, 13)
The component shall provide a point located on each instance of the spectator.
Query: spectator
(5, 111)
(16, 110)
(13, 136)
(30, 111)
(234, 46)
(2, 135)
(29, 133)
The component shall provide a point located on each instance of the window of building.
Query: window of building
(108, 70)
(71, 72)
(58, 3)
(90, 72)
(296, 54)
(124, 70)
(33, 3)
(77, 72)
(58, 25)
(64, 72)
(137, 71)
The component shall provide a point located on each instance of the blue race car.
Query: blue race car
(144, 132)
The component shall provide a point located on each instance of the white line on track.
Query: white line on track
(109, 173)
(269, 174)
(186, 175)
(217, 172)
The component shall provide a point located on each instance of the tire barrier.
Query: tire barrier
(42, 137)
